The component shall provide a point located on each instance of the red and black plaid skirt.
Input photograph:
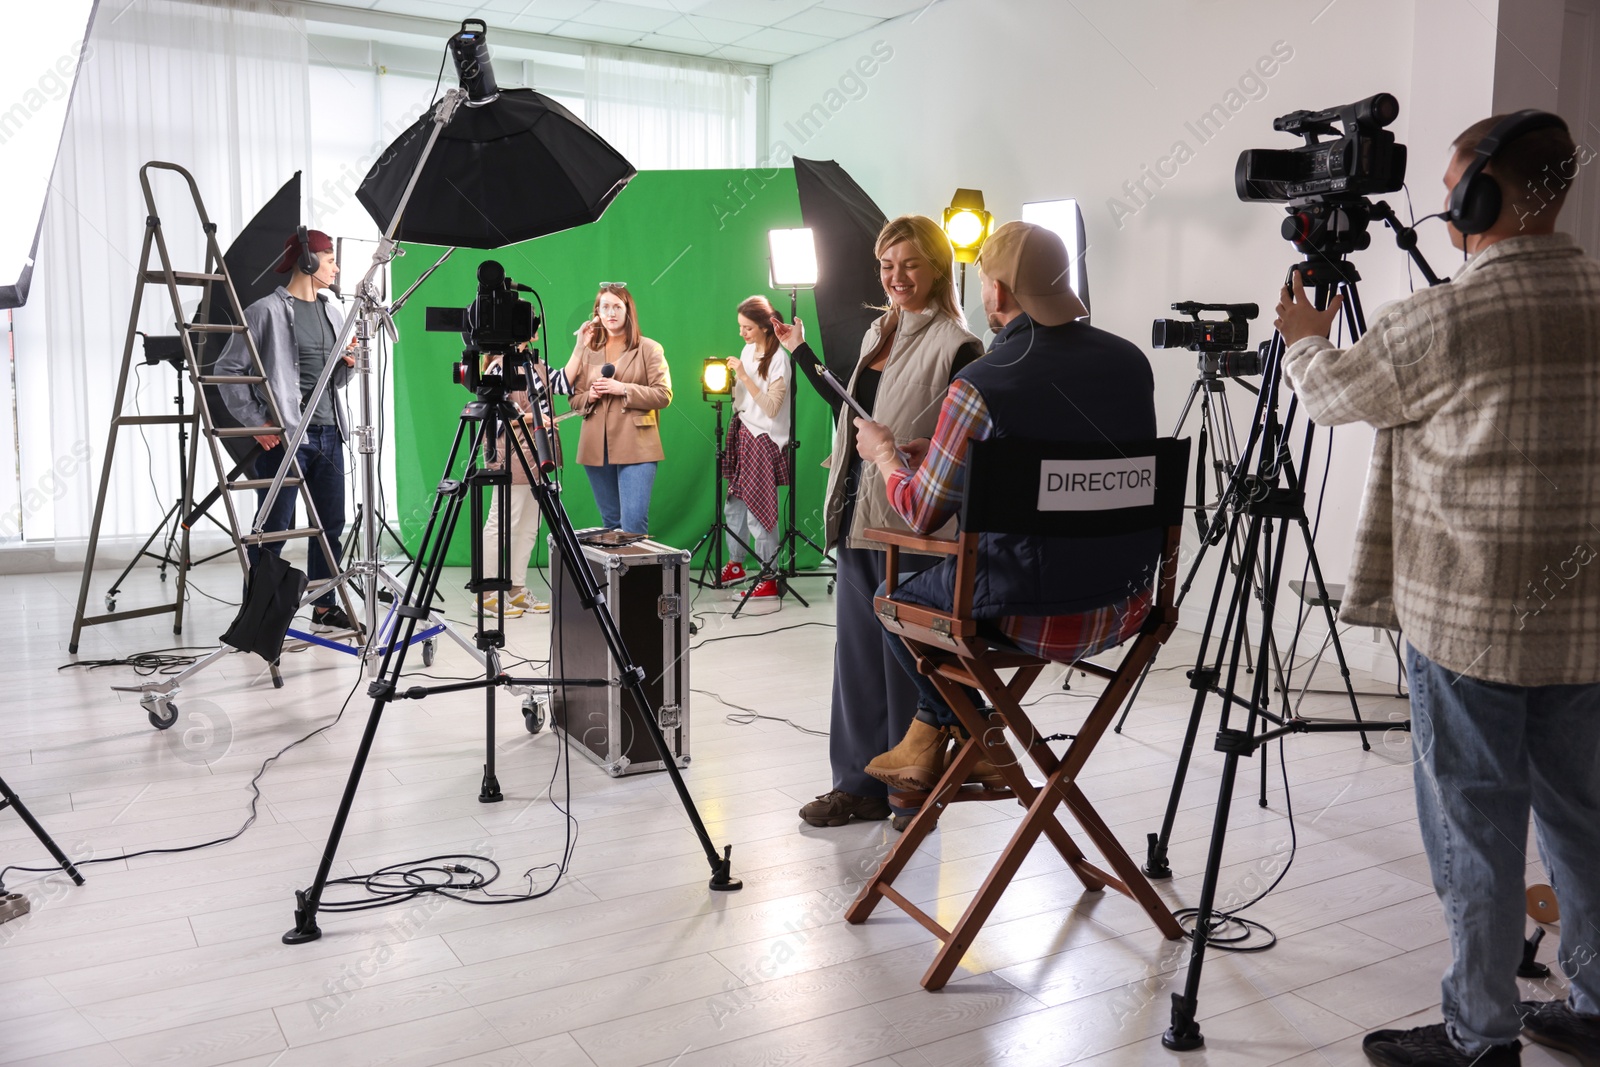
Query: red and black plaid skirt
(755, 466)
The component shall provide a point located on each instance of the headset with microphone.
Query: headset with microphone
(309, 262)
(1476, 199)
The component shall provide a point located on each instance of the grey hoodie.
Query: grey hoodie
(271, 323)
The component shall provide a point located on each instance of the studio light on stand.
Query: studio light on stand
(968, 226)
(716, 384)
(791, 265)
(716, 388)
(487, 167)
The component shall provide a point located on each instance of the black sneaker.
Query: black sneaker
(838, 807)
(332, 618)
(1554, 1024)
(1430, 1046)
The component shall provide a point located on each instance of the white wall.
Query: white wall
(1036, 99)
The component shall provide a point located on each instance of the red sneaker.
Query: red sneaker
(768, 588)
(732, 572)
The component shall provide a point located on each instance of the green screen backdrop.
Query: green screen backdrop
(690, 245)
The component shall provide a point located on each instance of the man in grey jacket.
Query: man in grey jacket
(294, 328)
(1477, 537)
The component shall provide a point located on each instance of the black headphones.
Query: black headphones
(1476, 199)
(309, 262)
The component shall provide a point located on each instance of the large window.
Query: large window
(324, 99)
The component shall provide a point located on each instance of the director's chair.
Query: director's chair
(1014, 487)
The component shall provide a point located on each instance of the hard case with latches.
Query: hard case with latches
(646, 589)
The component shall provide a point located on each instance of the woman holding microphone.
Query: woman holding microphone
(908, 358)
(619, 381)
(754, 465)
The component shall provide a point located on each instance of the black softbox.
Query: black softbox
(844, 223)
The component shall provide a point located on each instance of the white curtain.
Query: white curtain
(666, 113)
(218, 87)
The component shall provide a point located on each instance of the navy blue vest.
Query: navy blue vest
(1056, 383)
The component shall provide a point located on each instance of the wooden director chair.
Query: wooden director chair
(1009, 490)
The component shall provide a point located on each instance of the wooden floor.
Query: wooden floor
(631, 961)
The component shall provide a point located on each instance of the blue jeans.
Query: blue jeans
(742, 526)
(931, 705)
(1484, 754)
(622, 491)
(321, 458)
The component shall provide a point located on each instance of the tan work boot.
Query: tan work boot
(915, 764)
(983, 773)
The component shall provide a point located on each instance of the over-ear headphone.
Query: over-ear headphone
(1476, 199)
(309, 262)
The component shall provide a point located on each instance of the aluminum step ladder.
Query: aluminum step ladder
(194, 336)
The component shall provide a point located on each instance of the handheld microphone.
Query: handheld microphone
(609, 370)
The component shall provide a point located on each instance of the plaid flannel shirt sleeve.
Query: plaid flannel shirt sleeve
(927, 496)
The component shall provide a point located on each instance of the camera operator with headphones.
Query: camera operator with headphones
(1476, 538)
(294, 327)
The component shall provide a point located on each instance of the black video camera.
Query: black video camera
(1360, 161)
(1222, 343)
(497, 321)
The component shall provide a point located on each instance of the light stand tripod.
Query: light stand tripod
(713, 538)
(1263, 493)
(791, 533)
(174, 524)
(479, 429)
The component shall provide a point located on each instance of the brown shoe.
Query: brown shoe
(838, 807)
(917, 762)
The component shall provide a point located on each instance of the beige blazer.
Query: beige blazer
(910, 394)
(621, 429)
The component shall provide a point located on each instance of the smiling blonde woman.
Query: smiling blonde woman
(908, 358)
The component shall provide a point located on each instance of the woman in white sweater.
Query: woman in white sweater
(755, 464)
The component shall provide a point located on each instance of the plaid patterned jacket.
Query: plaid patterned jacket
(1480, 526)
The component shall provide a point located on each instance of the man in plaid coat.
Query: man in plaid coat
(1478, 538)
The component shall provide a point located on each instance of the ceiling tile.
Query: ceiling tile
(717, 31)
(883, 9)
(828, 23)
(740, 54)
(598, 34)
(755, 12)
(626, 16)
(697, 46)
(789, 42)
(560, 10)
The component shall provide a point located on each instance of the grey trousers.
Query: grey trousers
(874, 699)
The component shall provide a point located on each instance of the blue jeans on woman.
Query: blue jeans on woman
(622, 491)
(1484, 754)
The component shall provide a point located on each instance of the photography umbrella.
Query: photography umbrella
(513, 167)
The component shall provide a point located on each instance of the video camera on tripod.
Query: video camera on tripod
(1327, 183)
(497, 321)
(1223, 344)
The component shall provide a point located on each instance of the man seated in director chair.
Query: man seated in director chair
(1046, 378)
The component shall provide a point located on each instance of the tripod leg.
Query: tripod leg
(593, 598)
(1202, 679)
(1184, 1032)
(11, 800)
(446, 503)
